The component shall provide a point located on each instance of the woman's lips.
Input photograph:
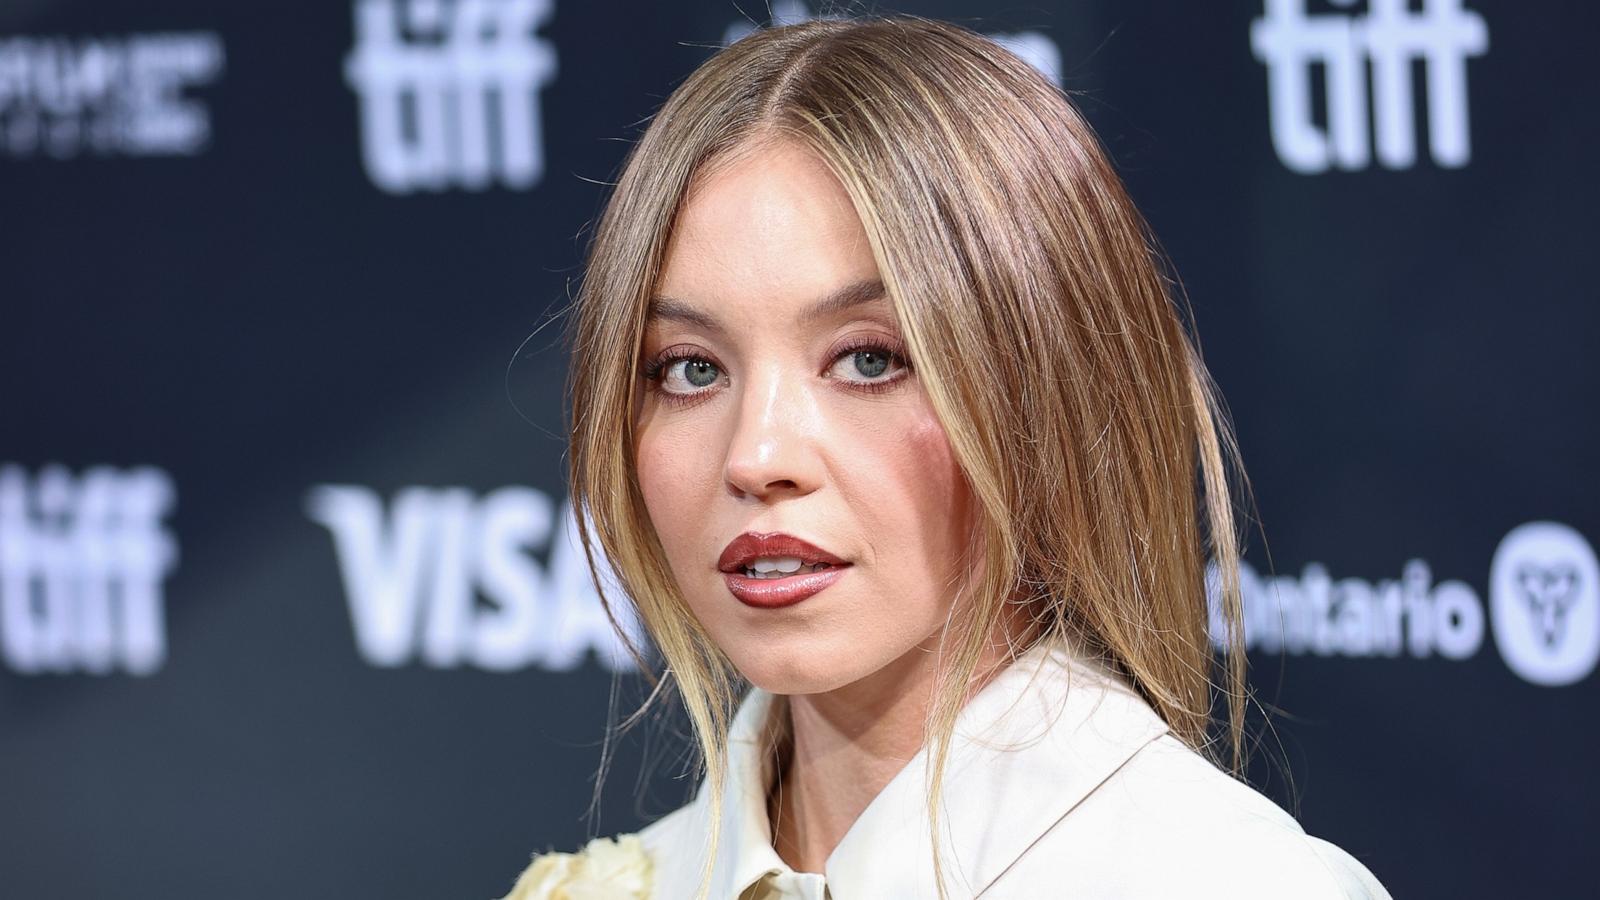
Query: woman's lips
(771, 593)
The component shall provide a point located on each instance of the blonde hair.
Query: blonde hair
(1034, 305)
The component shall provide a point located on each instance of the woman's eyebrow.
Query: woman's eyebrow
(856, 293)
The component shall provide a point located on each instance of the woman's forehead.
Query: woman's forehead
(778, 210)
(772, 235)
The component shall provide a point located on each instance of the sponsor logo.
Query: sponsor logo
(82, 561)
(1341, 48)
(1544, 603)
(1544, 609)
(448, 578)
(1315, 613)
(449, 92)
(1036, 48)
(106, 96)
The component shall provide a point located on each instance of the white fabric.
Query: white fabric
(1062, 782)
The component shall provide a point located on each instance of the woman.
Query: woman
(890, 430)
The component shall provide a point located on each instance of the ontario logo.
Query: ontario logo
(1543, 609)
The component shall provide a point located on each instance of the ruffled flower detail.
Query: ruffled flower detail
(605, 869)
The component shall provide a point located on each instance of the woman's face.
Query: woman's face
(761, 418)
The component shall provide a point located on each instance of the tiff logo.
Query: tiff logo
(1391, 37)
(449, 92)
(82, 560)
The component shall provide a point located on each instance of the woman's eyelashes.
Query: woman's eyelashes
(869, 365)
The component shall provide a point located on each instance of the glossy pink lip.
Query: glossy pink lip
(771, 593)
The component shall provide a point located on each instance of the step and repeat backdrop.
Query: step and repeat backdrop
(290, 604)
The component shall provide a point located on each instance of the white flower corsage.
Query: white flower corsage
(605, 869)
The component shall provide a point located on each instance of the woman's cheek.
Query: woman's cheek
(673, 472)
(656, 481)
(940, 490)
(920, 452)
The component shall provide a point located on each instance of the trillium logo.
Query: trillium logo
(1544, 603)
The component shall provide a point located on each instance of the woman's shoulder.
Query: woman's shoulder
(1169, 822)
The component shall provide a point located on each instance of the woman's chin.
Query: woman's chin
(820, 661)
(796, 673)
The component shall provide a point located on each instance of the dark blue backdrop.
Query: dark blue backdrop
(288, 606)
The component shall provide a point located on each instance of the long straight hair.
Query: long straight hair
(1038, 312)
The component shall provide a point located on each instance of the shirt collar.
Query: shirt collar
(1024, 744)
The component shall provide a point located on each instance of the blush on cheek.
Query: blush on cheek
(931, 448)
(942, 489)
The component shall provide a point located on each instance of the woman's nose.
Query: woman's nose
(771, 449)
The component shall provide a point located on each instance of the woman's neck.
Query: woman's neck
(842, 748)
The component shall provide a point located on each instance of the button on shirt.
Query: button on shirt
(1061, 782)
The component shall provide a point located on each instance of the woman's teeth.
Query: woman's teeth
(781, 567)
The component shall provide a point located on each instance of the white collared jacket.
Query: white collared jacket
(1061, 782)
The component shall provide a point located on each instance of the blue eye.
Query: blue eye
(868, 359)
(694, 370)
(698, 372)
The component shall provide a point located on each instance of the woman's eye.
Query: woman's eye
(696, 373)
(867, 364)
